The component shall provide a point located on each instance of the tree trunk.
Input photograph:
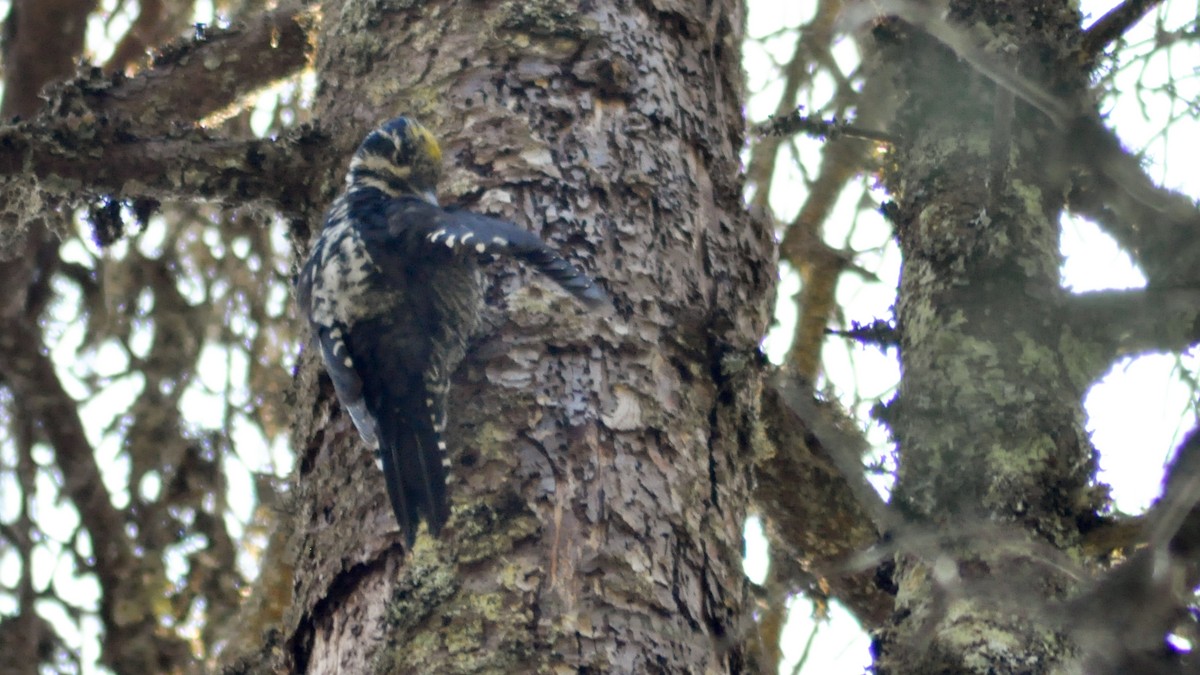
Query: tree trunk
(600, 463)
(994, 462)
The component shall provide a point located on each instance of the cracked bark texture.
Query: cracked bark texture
(600, 472)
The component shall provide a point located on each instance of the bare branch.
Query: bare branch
(25, 650)
(131, 641)
(31, 375)
(1136, 321)
(818, 504)
(153, 26)
(803, 246)
(795, 122)
(765, 149)
(1123, 620)
(1159, 228)
(1113, 25)
(42, 39)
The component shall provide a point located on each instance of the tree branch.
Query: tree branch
(42, 39)
(819, 506)
(1160, 227)
(1137, 321)
(194, 78)
(182, 164)
(1123, 620)
(1113, 25)
(795, 122)
(803, 247)
(131, 642)
(153, 26)
(1163, 238)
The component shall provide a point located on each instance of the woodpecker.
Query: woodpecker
(392, 289)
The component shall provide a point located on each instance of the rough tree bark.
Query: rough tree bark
(600, 463)
(996, 473)
(989, 418)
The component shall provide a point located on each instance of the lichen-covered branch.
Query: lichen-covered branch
(191, 79)
(91, 155)
(796, 122)
(1161, 228)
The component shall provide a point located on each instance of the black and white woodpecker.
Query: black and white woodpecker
(393, 292)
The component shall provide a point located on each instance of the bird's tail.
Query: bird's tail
(414, 459)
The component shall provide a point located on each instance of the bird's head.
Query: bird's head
(399, 158)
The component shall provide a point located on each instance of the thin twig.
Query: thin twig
(796, 122)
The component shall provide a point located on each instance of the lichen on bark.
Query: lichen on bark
(600, 462)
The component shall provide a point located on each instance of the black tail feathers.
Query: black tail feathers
(413, 459)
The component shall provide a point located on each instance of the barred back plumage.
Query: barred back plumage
(392, 290)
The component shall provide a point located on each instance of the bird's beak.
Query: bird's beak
(430, 196)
